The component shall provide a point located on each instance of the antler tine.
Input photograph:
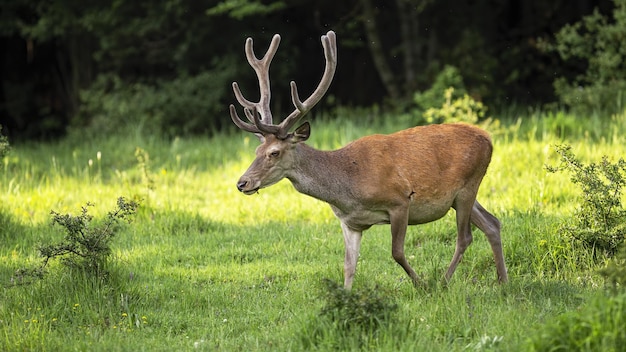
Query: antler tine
(248, 127)
(329, 42)
(243, 101)
(262, 68)
(255, 118)
(248, 106)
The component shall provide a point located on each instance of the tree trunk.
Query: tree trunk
(75, 69)
(412, 42)
(407, 21)
(377, 51)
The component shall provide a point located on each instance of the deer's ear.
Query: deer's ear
(301, 133)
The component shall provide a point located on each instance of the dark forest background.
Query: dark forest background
(167, 65)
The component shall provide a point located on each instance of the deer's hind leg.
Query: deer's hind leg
(490, 225)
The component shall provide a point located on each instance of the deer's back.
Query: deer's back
(444, 148)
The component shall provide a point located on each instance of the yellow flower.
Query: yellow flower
(124, 315)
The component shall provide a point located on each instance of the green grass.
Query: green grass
(204, 267)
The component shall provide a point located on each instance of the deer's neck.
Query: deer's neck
(321, 174)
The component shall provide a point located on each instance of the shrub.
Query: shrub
(600, 220)
(85, 246)
(449, 77)
(463, 109)
(349, 319)
(359, 309)
(447, 101)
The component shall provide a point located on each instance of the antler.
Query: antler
(259, 114)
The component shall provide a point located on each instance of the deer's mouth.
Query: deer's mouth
(250, 191)
(247, 186)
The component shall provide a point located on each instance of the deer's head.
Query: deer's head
(275, 156)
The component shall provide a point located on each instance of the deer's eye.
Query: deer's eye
(274, 154)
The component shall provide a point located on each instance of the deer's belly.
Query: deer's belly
(423, 211)
(424, 215)
(362, 219)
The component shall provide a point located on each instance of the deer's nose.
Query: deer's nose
(241, 185)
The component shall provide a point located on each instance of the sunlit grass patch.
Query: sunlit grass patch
(206, 267)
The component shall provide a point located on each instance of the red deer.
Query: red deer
(406, 178)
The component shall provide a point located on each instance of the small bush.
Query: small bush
(447, 101)
(349, 319)
(600, 220)
(449, 77)
(85, 246)
(362, 310)
(463, 109)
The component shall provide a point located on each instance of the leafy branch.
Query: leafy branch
(85, 246)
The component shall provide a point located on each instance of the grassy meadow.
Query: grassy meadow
(203, 267)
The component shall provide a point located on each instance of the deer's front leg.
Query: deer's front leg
(352, 240)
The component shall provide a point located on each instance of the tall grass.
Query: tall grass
(204, 267)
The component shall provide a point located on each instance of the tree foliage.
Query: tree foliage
(596, 43)
(388, 50)
(240, 9)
